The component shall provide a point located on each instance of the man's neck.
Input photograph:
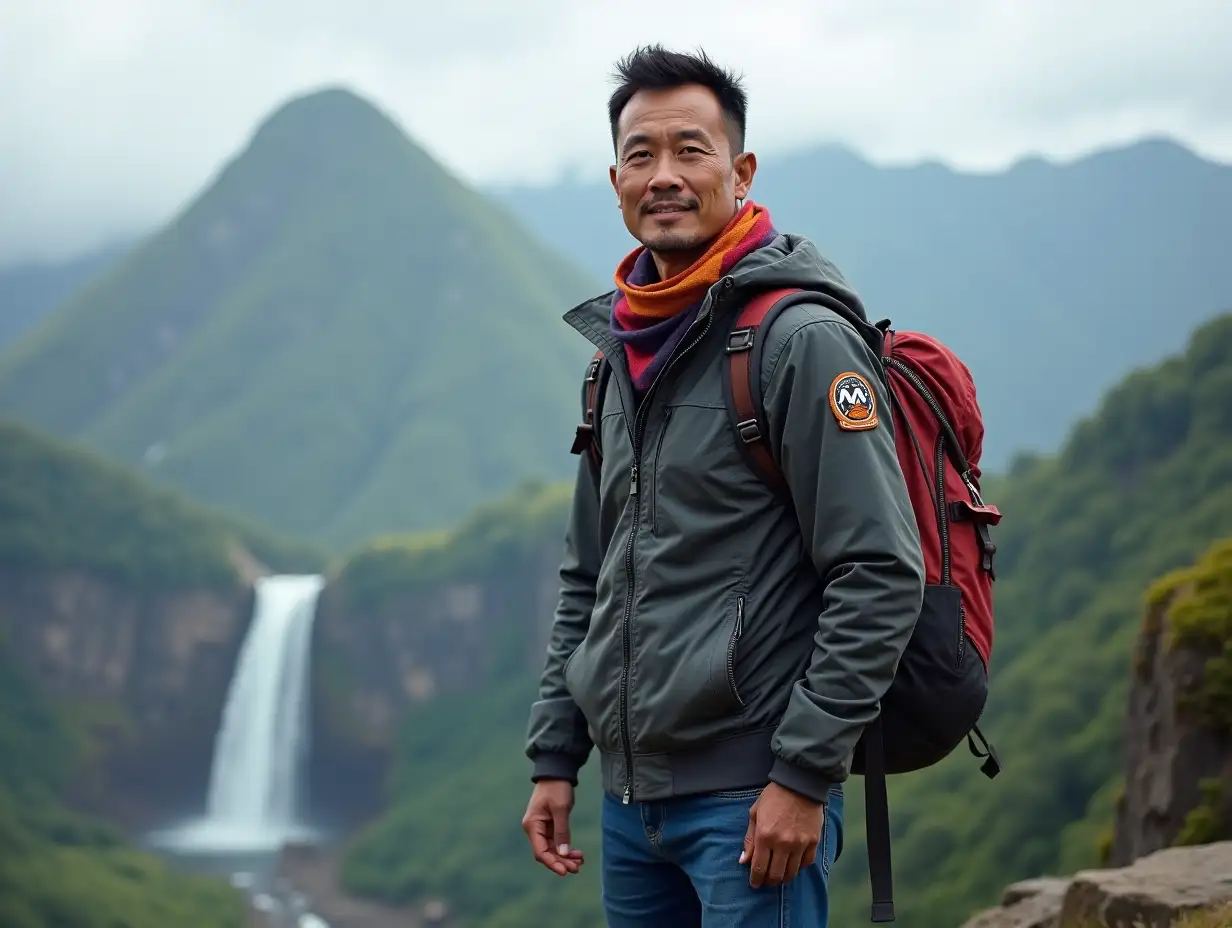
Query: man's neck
(672, 263)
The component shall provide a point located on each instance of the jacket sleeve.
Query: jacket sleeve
(858, 526)
(557, 738)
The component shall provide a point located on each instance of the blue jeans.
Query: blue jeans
(676, 864)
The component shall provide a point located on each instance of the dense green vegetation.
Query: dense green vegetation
(336, 337)
(1201, 619)
(1051, 281)
(1199, 603)
(454, 830)
(61, 870)
(1140, 488)
(500, 535)
(62, 507)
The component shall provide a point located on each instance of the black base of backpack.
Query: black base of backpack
(933, 705)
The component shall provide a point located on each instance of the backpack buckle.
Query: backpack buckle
(749, 431)
(582, 436)
(739, 340)
(592, 372)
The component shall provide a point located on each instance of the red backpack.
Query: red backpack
(941, 684)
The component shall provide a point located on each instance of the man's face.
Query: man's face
(674, 174)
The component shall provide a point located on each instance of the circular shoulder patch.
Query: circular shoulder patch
(853, 402)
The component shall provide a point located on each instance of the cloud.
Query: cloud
(113, 115)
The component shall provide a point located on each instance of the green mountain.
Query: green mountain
(63, 508)
(336, 337)
(1052, 281)
(31, 290)
(1140, 488)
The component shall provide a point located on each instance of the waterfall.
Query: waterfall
(262, 741)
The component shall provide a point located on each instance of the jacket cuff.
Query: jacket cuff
(811, 785)
(555, 767)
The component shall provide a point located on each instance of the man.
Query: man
(721, 646)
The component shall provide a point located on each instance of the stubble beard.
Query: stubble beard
(666, 243)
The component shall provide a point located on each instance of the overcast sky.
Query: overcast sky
(114, 112)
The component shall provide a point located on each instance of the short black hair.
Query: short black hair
(655, 68)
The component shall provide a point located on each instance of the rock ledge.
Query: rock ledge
(1153, 892)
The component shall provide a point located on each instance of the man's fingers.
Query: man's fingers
(561, 838)
(810, 856)
(537, 829)
(560, 832)
(760, 863)
(779, 858)
(539, 842)
(791, 868)
(746, 853)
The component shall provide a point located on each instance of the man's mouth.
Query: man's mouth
(660, 208)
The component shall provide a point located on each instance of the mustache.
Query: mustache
(673, 201)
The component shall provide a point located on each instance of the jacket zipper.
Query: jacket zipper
(654, 483)
(731, 649)
(635, 436)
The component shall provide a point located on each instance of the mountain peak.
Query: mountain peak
(324, 111)
(333, 119)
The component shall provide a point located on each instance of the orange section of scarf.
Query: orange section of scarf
(651, 302)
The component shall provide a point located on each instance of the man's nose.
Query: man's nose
(666, 175)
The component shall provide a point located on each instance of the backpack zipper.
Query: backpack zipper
(943, 516)
(943, 511)
(943, 524)
(635, 436)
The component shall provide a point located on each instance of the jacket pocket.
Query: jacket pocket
(654, 484)
(732, 645)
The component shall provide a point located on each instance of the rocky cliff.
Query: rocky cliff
(1178, 729)
(1169, 856)
(407, 620)
(142, 677)
(126, 603)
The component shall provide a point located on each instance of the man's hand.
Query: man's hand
(546, 824)
(784, 831)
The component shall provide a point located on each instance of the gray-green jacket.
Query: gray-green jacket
(707, 635)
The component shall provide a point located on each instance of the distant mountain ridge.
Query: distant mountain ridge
(1052, 281)
(335, 337)
(31, 290)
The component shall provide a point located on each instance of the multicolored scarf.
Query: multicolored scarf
(650, 316)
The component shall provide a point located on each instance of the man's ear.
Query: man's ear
(612, 172)
(744, 166)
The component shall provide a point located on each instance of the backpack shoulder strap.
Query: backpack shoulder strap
(741, 373)
(586, 437)
(742, 385)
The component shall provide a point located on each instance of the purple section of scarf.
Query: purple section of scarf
(660, 339)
